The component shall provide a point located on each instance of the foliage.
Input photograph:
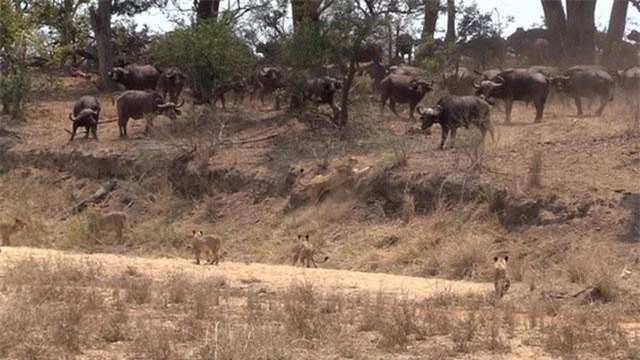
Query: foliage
(130, 45)
(15, 37)
(208, 52)
(475, 24)
(308, 46)
(434, 54)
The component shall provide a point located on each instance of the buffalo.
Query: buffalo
(376, 72)
(634, 35)
(136, 104)
(238, 86)
(267, 80)
(630, 79)
(587, 81)
(552, 73)
(86, 112)
(404, 46)
(532, 44)
(516, 84)
(485, 51)
(172, 80)
(403, 89)
(453, 111)
(321, 91)
(136, 77)
(459, 81)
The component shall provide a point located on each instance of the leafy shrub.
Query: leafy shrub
(207, 53)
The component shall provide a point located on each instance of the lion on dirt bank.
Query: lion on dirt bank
(342, 174)
(501, 280)
(305, 252)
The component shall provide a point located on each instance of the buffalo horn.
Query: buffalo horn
(71, 117)
(180, 104)
(475, 85)
(499, 79)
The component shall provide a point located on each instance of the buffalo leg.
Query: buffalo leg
(86, 131)
(578, 104)
(392, 106)
(384, 102)
(445, 132)
(94, 131)
(73, 131)
(603, 103)
(508, 106)
(453, 137)
(539, 110)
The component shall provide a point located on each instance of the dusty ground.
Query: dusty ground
(422, 225)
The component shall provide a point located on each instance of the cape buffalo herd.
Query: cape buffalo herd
(478, 77)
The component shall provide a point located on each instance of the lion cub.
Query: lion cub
(501, 280)
(304, 252)
(6, 230)
(114, 220)
(344, 172)
(209, 245)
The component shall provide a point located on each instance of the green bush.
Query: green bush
(208, 52)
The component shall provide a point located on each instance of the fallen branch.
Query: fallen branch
(250, 140)
(97, 197)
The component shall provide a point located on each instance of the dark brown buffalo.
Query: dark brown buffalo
(268, 79)
(589, 81)
(369, 52)
(485, 52)
(172, 81)
(136, 104)
(532, 44)
(86, 112)
(238, 86)
(321, 90)
(136, 77)
(403, 89)
(630, 79)
(453, 111)
(459, 81)
(376, 72)
(516, 85)
(634, 35)
(404, 46)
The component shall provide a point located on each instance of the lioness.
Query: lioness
(6, 230)
(501, 280)
(115, 220)
(210, 245)
(304, 252)
(342, 173)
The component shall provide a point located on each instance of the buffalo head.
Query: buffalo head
(169, 109)
(86, 115)
(421, 86)
(489, 88)
(560, 82)
(117, 73)
(429, 117)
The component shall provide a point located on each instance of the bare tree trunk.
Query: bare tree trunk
(305, 9)
(101, 24)
(430, 18)
(581, 31)
(615, 32)
(451, 22)
(556, 23)
(343, 115)
(207, 9)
